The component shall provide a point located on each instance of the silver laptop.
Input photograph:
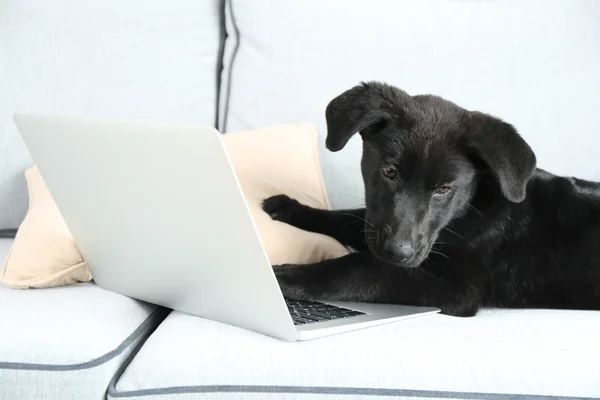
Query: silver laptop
(158, 215)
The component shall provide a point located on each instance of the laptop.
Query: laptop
(158, 215)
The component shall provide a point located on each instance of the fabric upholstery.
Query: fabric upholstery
(149, 61)
(5, 244)
(44, 253)
(283, 159)
(498, 354)
(68, 342)
(531, 63)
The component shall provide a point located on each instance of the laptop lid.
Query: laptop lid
(158, 215)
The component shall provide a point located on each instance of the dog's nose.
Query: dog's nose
(405, 250)
(400, 251)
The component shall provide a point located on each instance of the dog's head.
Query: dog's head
(422, 160)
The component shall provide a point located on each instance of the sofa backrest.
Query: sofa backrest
(151, 60)
(534, 63)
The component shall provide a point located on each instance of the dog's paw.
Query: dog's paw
(280, 207)
(285, 277)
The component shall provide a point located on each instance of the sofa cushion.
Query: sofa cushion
(68, 342)
(499, 354)
(282, 159)
(43, 253)
(531, 63)
(107, 58)
(5, 244)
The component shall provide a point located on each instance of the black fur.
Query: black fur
(457, 216)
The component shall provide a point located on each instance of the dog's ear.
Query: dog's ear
(504, 152)
(360, 107)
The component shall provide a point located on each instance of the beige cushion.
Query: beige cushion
(43, 253)
(280, 159)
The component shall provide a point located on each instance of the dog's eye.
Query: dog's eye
(389, 173)
(442, 190)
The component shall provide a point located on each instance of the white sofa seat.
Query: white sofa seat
(512, 354)
(67, 342)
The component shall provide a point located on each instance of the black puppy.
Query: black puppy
(457, 215)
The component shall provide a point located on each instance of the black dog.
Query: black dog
(457, 215)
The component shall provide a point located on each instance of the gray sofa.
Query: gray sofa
(243, 64)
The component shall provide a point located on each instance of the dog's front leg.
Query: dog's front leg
(349, 227)
(360, 277)
(352, 277)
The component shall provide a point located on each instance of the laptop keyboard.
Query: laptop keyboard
(307, 312)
